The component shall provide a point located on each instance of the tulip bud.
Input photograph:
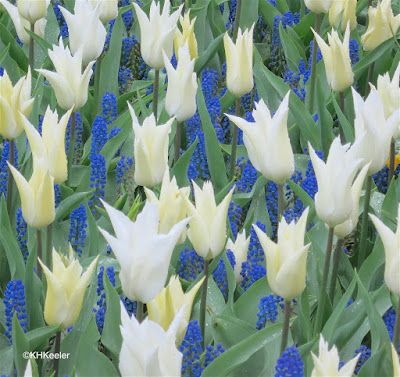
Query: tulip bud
(69, 84)
(267, 141)
(337, 60)
(14, 101)
(147, 350)
(186, 36)
(334, 202)
(287, 259)
(391, 243)
(66, 286)
(142, 252)
(327, 363)
(239, 62)
(373, 131)
(37, 195)
(157, 33)
(180, 100)
(169, 302)
(207, 227)
(396, 362)
(344, 229)
(382, 25)
(33, 10)
(150, 149)
(343, 11)
(239, 250)
(108, 9)
(171, 205)
(318, 6)
(86, 31)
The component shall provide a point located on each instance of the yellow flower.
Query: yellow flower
(167, 304)
(186, 36)
(66, 286)
(396, 363)
(343, 11)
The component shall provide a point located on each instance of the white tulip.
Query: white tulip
(396, 362)
(108, 9)
(239, 249)
(318, 6)
(33, 10)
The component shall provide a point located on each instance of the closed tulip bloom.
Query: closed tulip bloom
(66, 287)
(143, 253)
(239, 249)
(267, 141)
(150, 149)
(287, 259)
(108, 9)
(180, 100)
(171, 205)
(396, 362)
(344, 229)
(51, 145)
(343, 11)
(327, 362)
(318, 6)
(391, 243)
(33, 10)
(21, 23)
(37, 195)
(186, 36)
(337, 60)
(157, 33)
(86, 31)
(15, 101)
(164, 308)
(68, 82)
(147, 350)
(239, 62)
(333, 201)
(373, 129)
(207, 227)
(382, 25)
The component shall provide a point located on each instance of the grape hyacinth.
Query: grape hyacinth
(21, 229)
(290, 364)
(77, 230)
(219, 274)
(267, 311)
(190, 264)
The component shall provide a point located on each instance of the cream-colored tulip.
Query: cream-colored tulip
(50, 147)
(150, 149)
(86, 31)
(287, 259)
(180, 100)
(164, 308)
(343, 11)
(37, 195)
(239, 249)
(157, 32)
(391, 243)
(108, 9)
(171, 205)
(66, 287)
(339, 73)
(318, 6)
(344, 229)
(15, 101)
(239, 62)
(267, 141)
(396, 362)
(33, 10)
(186, 36)
(207, 227)
(327, 362)
(69, 83)
(382, 25)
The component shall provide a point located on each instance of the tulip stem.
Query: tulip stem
(139, 311)
(237, 19)
(286, 324)
(324, 283)
(32, 48)
(391, 162)
(178, 141)
(97, 74)
(203, 303)
(39, 251)
(396, 330)
(234, 141)
(280, 201)
(314, 64)
(364, 222)
(335, 267)
(10, 178)
(341, 105)
(57, 349)
(155, 92)
(49, 246)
